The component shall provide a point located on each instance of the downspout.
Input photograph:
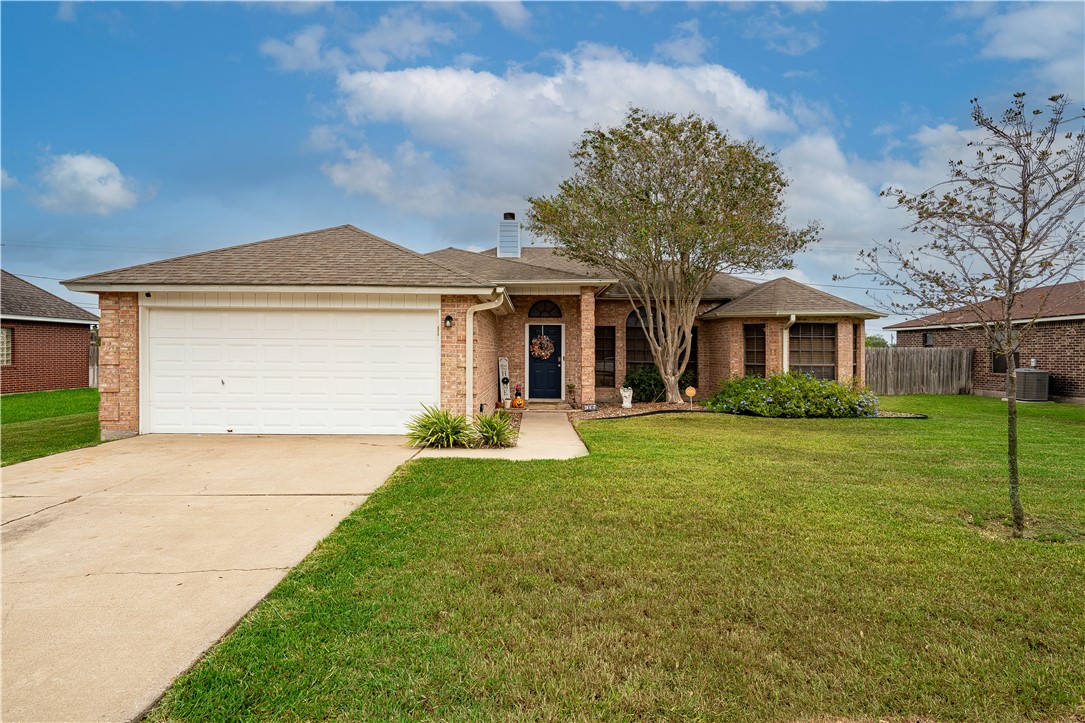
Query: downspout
(470, 371)
(785, 345)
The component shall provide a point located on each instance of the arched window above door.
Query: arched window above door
(544, 309)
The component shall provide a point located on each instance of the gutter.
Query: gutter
(470, 371)
(785, 345)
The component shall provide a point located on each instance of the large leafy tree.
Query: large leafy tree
(1007, 221)
(665, 203)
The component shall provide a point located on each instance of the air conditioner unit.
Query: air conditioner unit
(1031, 385)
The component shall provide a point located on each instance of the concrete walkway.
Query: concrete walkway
(543, 435)
(123, 563)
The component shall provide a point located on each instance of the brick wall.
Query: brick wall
(511, 331)
(118, 364)
(486, 389)
(46, 355)
(1058, 347)
(585, 392)
(454, 352)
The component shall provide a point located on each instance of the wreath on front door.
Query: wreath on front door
(542, 347)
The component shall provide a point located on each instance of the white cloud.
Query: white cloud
(303, 52)
(687, 45)
(781, 37)
(85, 183)
(1048, 33)
(806, 6)
(400, 34)
(503, 137)
(7, 181)
(295, 7)
(511, 14)
(66, 12)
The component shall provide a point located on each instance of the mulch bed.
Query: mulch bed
(640, 409)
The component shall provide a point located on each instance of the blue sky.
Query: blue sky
(137, 131)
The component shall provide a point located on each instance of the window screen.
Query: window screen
(998, 362)
(928, 338)
(604, 356)
(812, 350)
(753, 336)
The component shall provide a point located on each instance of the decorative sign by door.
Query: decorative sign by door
(503, 377)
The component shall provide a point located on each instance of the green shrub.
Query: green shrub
(494, 430)
(793, 395)
(437, 428)
(647, 384)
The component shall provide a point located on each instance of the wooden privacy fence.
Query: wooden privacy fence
(920, 370)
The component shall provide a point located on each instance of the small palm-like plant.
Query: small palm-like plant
(495, 430)
(439, 428)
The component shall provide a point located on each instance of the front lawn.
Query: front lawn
(36, 424)
(695, 566)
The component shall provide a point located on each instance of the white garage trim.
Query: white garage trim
(298, 369)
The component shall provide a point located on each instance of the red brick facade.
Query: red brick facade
(1057, 346)
(118, 365)
(46, 355)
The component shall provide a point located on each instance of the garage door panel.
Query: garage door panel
(289, 371)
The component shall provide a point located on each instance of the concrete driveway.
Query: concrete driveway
(123, 563)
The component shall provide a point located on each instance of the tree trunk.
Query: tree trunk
(1011, 447)
(670, 384)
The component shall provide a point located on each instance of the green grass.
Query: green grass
(37, 424)
(700, 566)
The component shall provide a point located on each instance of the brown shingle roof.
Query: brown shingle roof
(723, 287)
(500, 270)
(1042, 302)
(784, 297)
(21, 298)
(339, 256)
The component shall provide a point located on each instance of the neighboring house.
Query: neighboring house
(341, 332)
(44, 340)
(1056, 342)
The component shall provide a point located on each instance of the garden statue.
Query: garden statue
(627, 397)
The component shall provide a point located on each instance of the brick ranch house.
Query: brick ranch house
(341, 332)
(1056, 342)
(44, 340)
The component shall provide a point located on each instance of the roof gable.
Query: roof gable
(784, 297)
(19, 297)
(1048, 302)
(338, 256)
(508, 270)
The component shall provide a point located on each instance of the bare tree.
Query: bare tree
(1006, 222)
(665, 203)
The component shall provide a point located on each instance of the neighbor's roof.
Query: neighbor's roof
(19, 298)
(784, 297)
(1043, 302)
(339, 256)
(503, 270)
(724, 286)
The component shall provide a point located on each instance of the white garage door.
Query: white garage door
(289, 371)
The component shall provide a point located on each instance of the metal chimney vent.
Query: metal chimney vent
(508, 237)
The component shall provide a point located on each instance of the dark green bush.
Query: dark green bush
(438, 428)
(647, 384)
(494, 430)
(793, 395)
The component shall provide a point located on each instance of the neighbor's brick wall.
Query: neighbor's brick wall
(118, 364)
(46, 355)
(1057, 346)
(486, 374)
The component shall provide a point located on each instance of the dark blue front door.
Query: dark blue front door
(544, 375)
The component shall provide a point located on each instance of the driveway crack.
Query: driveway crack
(43, 509)
(186, 572)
